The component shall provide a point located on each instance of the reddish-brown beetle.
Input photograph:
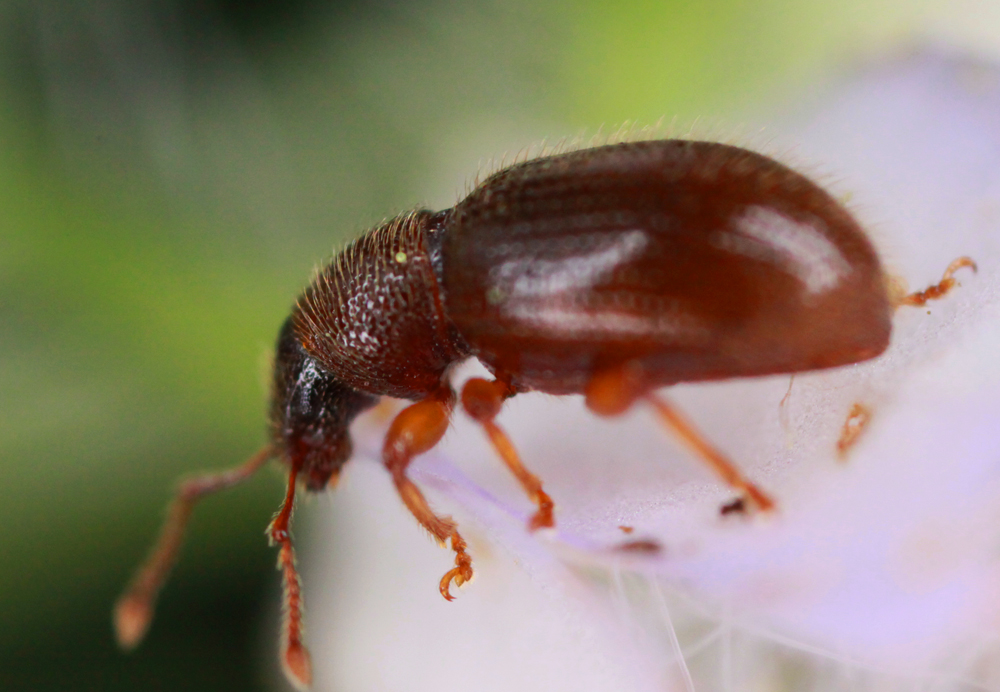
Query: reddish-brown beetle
(608, 272)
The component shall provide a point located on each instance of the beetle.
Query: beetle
(609, 272)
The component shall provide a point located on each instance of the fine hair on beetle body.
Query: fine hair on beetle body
(610, 272)
(630, 132)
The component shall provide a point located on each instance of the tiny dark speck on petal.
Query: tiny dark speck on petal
(640, 546)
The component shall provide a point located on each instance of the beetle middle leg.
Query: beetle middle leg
(482, 400)
(415, 430)
(613, 392)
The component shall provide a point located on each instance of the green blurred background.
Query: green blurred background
(171, 171)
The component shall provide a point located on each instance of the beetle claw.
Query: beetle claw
(459, 575)
(542, 519)
(461, 572)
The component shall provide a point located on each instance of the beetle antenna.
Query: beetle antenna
(134, 610)
(295, 660)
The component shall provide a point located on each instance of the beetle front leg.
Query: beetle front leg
(613, 392)
(415, 430)
(482, 400)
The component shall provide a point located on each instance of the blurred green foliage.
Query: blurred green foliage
(170, 172)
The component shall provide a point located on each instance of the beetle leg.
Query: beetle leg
(939, 289)
(713, 457)
(857, 419)
(294, 656)
(134, 610)
(613, 392)
(482, 400)
(416, 429)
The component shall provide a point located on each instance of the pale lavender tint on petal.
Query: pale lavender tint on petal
(878, 570)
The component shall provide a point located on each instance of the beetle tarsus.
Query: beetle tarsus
(461, 573)
(542, 519)
(941, 288)
(855, 423)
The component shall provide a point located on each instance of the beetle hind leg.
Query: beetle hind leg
(613, 392)
(941, 288)
(415, 430)
(482, 400)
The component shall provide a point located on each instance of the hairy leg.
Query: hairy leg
(416, 429)
(941, 288)
(134, 610)
(482, 400)
(613, 392)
